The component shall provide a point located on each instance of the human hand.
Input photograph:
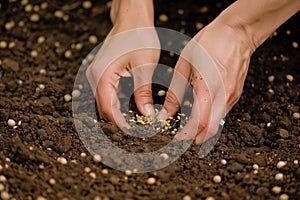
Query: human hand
(130, 49)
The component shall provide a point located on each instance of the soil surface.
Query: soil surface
(42, 45)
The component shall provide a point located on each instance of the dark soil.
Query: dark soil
(260, 129)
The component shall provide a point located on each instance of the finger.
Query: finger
(107, 99)
(176, 91)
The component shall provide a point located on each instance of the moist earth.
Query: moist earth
(42, 46)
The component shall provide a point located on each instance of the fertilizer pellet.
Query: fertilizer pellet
(3, 44)
(151, 181)
(87, 4)
(284, 197)
(217, 179)
(161, 93)
(281, 164)
(59, 14)
(5, 195)
(67, 98)
(11, 45)
(164, 156)
(1, 187)
(82, 155)
(52, 181)
(296, 162)
(87, 170)
(93, 39)
(271, 78)
(62, 160)
(42, 71)
(9, 25)
(33, 53)
(187, 197)
(93, 175)
(180, 11)
(295, 45)
(296, 115)
(128, 172)
(34, 17)
(41, 39)
(41, 198)
(68, 54)
(75, 93)
(289, 77)
(276, 189)
(255, 167)
(199, 25)
(279, 176)
(2, 178)
(11, 122)
(210, 198)
(97, 158)
(104, 171)
(163, 17)
(223, 162)
(28, 8)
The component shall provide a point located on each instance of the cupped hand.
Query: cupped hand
(130, 49)
(215, 62)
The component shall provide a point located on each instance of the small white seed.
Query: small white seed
(68, 54)
(62, 160)
(3, 44)
(128, 172)
(217, 179)
(82, 155)
(87, 4)
(281, 164)
(104, 171)
(87, 170)
(223, 162)
(93, 39)
(93, 175)
(164, 156)
(41, 86)
(276, 189)
(5, 195)
(279, 176)
(52, 181)
(28, 8)
(284, 197)
(151, 181)
(161, 93)
(255, 167)
(41, 39)
(34, 53)
(2, 178)
(296, 162)
(42, 71)
(75, 93)
(163, 17)
(289, 77)
(11, 122)
(67, 98)
(97, 158)
(34, 17)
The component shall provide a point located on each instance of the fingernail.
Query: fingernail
(149, 109)
(162, 115)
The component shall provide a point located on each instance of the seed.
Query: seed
(163, 17)
(164, 156)
(41, 86)
(40, 39)
(11, 45)
(97, 158)
(271, 91)
(9, 25)
(289, 77)
(296, 162)
(296, 115)
(93, 39)
(42, 71)
(75, 93)
(5, 195)
(161, 93)
(2, 178)
(28, 8)
(295, 45)
(187, 197)
(128, 172)
(199, 25)
(276, 189)
(93, 175)
(151, 181)
(255, 167)
(82, 155)
(223, 162)
(78, 46)
(284, 197)
(3, 44)
(217, 179)
(59, 14)
(34, 53)
(34, 17)
(271, 78)
(86, 4)
(52, 181)
(67, 98)
(104, 171)
(62, 160)
(279, 176)
(1, 187)
(281, 164)
(87, 170)
(11, 122)
(68, 54)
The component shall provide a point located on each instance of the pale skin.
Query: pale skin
(230, 41)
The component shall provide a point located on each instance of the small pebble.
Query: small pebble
(87, 4)
(93, 39)
(187, 197)
(271, 78)
(34, 17)
(128, 172)
(279, 176)
(295, 45)
(67, 98)
(93, 175)
(3, 44)
(281, 164)
(41, 39)
(11, 122)
(163, 17)
(75, 93)
(104, 171)
(52, 181)
(68, 54)
(255, 167)
(59, 14)
(164, 156)
(5, 195)
(62, 160)
(151, 181)
(289, 77)
(284, 197)
(223, 162)
(217, 179)
(97, 158)
(34, 53)
(276, 189)
(161, 93)
(296, 115)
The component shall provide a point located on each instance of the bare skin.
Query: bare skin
(230, 41)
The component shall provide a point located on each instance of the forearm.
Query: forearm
(258, 18)
(123, 11)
